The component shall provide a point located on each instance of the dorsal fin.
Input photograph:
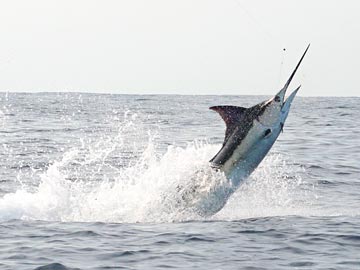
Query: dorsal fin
(232, 115)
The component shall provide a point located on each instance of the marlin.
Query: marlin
(250, 134)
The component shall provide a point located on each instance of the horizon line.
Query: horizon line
(152, 94)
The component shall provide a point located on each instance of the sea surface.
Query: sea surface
(83, 177)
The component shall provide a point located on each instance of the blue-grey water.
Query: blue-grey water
(83, 179)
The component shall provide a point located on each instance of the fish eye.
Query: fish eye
(277, 98)
(267, 132)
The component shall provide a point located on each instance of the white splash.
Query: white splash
(86, 185)
(145, 191)
(276, 188)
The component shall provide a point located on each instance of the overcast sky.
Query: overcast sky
(179, 46)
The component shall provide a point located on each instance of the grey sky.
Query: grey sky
(179, 46)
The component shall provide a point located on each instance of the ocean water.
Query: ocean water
(83, 179)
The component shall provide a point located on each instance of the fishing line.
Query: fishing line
(266, 33)
(256, 22)
(281, 65)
